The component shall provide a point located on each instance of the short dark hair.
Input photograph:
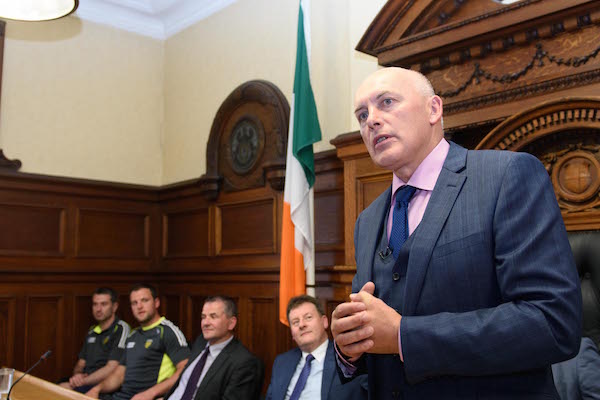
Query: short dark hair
(114, 297)
(139, 286)
(230, 306)
(299, 300)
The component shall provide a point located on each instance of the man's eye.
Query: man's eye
(362, 116)
(387, 102)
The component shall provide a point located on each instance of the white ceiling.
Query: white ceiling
(155, 18)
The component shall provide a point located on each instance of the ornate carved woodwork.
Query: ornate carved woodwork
(565, 135)
(247, 142)
(5, 162)
(489, 61)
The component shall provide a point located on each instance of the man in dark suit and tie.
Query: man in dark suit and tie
(465, 286)
(308, 372)
(220, 366)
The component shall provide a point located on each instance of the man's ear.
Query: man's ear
(436, 109)
(232, 323)
(156, 303)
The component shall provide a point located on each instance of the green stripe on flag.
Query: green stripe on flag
(306, 122)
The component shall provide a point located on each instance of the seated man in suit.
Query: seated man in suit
(155, 353)
(579, 377)
(104, 343)
(308, 371)
(220, 366)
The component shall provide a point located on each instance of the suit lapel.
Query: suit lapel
(287, 373)
(372, 232)
(328, 371)
(215, 367)
(445, 192)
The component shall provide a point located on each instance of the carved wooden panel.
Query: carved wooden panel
(194, 315)
(7, 329)
(565, 135)
(44, 330)
(124, 310)
(246, 228)
(83, 319)
(247, 140)
(109, 234)
(31, 230)
(170, 307)
(186, 233)
(329, 220)
(369, 188)
(488, 61)
(262, 320)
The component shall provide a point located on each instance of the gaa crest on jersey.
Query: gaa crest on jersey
(105, 340)
(148, 343)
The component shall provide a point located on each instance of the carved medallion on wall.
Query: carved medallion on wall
(564, 134)
(248, 139)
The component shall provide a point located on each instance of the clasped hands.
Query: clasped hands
(365, 324)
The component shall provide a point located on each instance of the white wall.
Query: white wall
(82, 100)
(85, 100)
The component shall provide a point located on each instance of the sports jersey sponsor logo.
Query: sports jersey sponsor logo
(92, 339)
(105, 340)
(130, 345)
(148, 343)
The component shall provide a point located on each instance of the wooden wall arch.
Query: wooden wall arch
(543, 120)
(565, 135)
(250, 127)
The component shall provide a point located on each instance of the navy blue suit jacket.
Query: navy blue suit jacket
(331, 386)
(579, 377)
(492, 294)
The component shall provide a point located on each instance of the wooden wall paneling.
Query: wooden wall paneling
(105, 233)
(44, 330)
(170, 307)
(247, 227)
(8, 305)
(83, 320)
(262, 322)
(124, 312)
(363, 182)
(186, 233)
(194, 315)
(32, 230)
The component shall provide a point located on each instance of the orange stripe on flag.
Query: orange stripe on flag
(292, 278)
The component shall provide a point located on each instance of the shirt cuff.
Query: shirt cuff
(400, 342)
(348, 369)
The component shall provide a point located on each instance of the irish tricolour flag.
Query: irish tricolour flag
(297, 237)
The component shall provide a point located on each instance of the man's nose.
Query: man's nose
(373, 119)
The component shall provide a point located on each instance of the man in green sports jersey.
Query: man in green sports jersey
(155, 353)
(104, 343)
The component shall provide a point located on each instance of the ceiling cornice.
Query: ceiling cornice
(158, 19)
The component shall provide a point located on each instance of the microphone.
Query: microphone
(42, 358)
(385, 253)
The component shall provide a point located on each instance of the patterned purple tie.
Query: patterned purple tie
(400, 219)
(192, 384)
(302, 378)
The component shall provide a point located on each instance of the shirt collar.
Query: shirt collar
(97, 330)
(219, 346)
(319, 353)
(427, 173)
(154, 325)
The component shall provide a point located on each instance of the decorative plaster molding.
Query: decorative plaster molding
(158, 19)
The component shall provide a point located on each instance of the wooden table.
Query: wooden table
(32, 388)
